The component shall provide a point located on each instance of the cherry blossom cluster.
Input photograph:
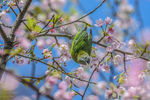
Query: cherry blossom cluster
(62, 93)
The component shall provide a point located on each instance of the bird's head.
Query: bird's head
(84, 59)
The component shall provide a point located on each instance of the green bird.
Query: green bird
(82, 47)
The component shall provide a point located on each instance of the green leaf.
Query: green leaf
(27, 79)
(37, 82)
(72, 10)
(32, 24)
(37, 28)
(70, 86)
(52, 47)
(26, 85)
(88, 24)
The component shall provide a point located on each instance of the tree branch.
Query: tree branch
(19, 18)
(92, 75)
(95, 42)
(54, 68)
(26, 82)
(78, 20)
(3, 34)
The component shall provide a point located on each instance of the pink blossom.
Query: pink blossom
(84, 75)
(63, 95)
(137, 66)
(117, 60)
(2, 13)
(108, 20)
(57, 4)
(46, 88)
(132, 91)
(47, 53)
(131, 43)
(63, 85)
(2, 52)
(41, 43)
(142, 76)
(60, 19)
(111, 30)
(41, 17)
(47, 72)
(51, 80)
(67, 79)
(45, 50)
(108, 93)
(59, 95)
(24, 42)
(79, 83)
(80, 70)
(72, 93)
(99, 23)
(92, 97)
(148, 65)
(6, 80)
(50, 41)
(52, 30)
(99, 88)
(109, 49)
(67, 96)
(63, 47)
(106, 68)
(20, 32)
(110, 39)
(126, 96)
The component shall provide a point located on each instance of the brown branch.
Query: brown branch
(78, 20)
(7, 26)
(145, 48)
(19, 18)
(95, 42)
(3, 34)
(47, 24)
(92, 75)
(120, 51)
(22, 20)
(56, 35)
(26, 82)
(54, 68)
(101, 39)
(59, 65)
(124, 61)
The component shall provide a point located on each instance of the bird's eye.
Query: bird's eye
(86, 57)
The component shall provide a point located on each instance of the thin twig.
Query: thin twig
(19, 18)
(77, 20)
(22, 20)
(54, 68)
(92, 75)
(26, 82)
(124, 61)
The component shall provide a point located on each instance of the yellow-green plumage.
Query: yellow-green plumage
(82, 47)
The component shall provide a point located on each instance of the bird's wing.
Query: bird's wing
(89, 46)
(80, 41)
